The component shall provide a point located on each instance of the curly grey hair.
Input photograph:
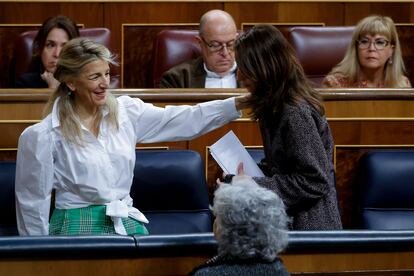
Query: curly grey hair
(251, 220)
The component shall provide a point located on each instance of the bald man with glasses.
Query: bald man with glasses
(216, 67)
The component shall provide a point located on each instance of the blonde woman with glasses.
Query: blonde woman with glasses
(373, 59)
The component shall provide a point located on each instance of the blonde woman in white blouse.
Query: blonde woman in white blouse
(84, 148)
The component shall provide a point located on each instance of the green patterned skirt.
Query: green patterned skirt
(91, 220)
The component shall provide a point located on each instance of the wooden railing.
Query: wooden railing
(360, 120)
(345, 253)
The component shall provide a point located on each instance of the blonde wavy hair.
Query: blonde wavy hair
(73, 57)
(372, 25)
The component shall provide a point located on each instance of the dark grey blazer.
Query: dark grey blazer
(251, 267)
(298, 166)
(189, 74)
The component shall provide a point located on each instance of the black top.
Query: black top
(231, 267)
(31, 80)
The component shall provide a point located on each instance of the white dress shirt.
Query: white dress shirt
(101, 170)
(213, 80)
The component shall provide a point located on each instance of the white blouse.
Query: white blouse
(101, 170)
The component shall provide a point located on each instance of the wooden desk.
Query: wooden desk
(360, 120)
(309, 252)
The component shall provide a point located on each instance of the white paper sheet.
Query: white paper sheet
(229, 152)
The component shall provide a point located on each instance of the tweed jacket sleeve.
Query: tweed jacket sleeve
(298, 162)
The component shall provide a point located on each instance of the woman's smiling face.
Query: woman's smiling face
(91, 84)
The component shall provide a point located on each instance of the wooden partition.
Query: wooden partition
(308, 253)
(350, 263)
(134, 23)
(137, 51)
(8, 34)
(360, 120)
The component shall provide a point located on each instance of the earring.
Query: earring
(390, 61)
(69, 93)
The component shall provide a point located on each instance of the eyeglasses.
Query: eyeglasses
(215, 46)
(379, 44)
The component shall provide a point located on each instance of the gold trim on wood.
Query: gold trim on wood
(153, 148)
(389, 119)
(21, 25)
(206, 1)
(19, 121)
(243, 120)
(30, 24)
(404, 24)
(254, 147)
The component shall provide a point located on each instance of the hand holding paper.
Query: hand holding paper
(229, 152)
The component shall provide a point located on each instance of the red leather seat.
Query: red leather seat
(319, 49)
(24, 43)
(172, 47)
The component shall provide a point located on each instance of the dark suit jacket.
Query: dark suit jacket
(189, 74)
(31, 80)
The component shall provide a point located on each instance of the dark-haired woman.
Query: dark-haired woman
(48, 43)
(296, 137)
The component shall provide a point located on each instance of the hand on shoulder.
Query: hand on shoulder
(241, 101)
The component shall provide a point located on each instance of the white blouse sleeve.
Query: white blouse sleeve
(175, 123)
(34, 180)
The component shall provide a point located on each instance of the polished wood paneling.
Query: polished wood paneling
(89, 13)
(328, 262)
(16, 18)
(114, 14)
(350, 263)
(137, 49)
(400, 13)
(376, 131)
(283, 12)
(27, 104)
(405, 34)
(284, 28)
(117, 14)
(10, 132)
(360, 120)
(132, 266)
(8, 34)
(22, 104)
